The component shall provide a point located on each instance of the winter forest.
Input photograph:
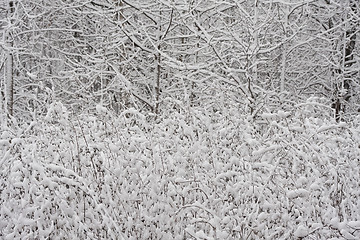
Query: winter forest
(180, 119)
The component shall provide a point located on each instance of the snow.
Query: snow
(354, 224)
(4, 143)
(165, 171)
(298, 193)
(101, 109)
(301, 231)
(33, 76)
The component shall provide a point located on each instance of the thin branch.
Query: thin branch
(168, 28)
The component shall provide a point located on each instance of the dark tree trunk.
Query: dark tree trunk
(9, 79)
(348, 75)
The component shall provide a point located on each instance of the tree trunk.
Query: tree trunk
(9, 78)
(343, 96)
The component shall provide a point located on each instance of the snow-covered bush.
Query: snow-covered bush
(191, 174)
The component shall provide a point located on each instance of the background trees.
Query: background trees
(328, 36)
(138, 54)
